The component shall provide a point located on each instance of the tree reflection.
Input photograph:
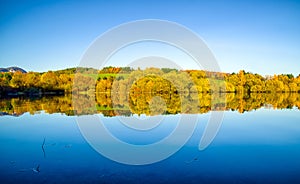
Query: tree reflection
(149, 103)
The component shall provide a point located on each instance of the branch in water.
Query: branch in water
(44, 148)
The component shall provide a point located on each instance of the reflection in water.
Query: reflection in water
(258, 147)
(110, 104)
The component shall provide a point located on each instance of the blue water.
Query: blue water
(260, 146)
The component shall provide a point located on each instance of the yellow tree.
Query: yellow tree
(49, 80)
(32, 79)
(17, 80)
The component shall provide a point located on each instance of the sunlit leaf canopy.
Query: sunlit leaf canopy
(115, 91)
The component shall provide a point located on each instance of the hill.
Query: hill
(12, 69)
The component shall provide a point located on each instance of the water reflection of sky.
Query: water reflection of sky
(119, 129)
(255, 147)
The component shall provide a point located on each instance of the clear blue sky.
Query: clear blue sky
(260, 37)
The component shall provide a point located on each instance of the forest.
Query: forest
(124, 91)
(151, 80)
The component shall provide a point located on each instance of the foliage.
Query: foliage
(125, 80)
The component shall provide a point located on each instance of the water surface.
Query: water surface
(256, 146)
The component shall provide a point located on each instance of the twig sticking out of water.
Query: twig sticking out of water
(193, 160)
(37, 169)
(34, 169)
(44, 148)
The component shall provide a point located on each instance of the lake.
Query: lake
(44, 141)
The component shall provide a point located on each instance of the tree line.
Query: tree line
(153, 80)
(124, 80)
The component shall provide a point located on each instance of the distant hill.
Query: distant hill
(3, 70)
(12, 69)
